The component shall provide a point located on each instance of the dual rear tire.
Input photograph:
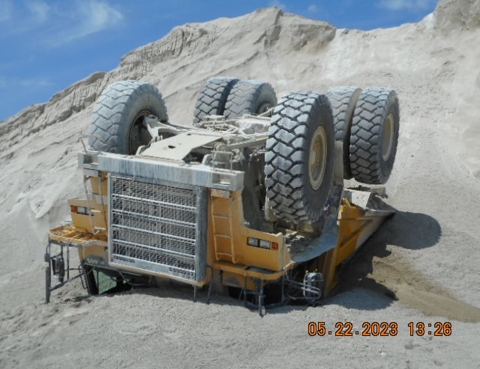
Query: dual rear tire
(233, 98)
(299, 159)
(367, 125)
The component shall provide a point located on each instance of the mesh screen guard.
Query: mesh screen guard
(158, 228)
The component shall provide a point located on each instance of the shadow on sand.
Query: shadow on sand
(361, 285)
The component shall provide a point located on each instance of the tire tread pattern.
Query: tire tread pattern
(343, 100)
(365, 138)
(287, 156)
(111, 111)
(213, 97)
(246, 96)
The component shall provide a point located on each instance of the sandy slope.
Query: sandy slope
(427, 255)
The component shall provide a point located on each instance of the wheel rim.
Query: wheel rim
(263, 108)
(318, 158)
(387, 139)
(139, 134)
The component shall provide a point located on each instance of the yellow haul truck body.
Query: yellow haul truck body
(242, 200)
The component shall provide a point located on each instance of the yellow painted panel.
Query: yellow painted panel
(95, 184)
(242, 253)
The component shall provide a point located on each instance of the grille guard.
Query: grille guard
(158, 228)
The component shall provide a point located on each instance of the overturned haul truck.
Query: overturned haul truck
(249, 200)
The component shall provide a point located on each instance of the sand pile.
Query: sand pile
(427, 255)
(452, 15)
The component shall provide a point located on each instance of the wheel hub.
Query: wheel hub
(318, 158)
(263, 108)
(388, 135)
(138, 133)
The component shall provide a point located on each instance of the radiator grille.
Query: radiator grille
(155, 227)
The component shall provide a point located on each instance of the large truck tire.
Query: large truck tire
(213, 97)
(250, 97)
(117, 120)
(374, 135)
(343, 100)
(299, 159)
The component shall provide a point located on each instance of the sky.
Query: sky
(47, 45)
